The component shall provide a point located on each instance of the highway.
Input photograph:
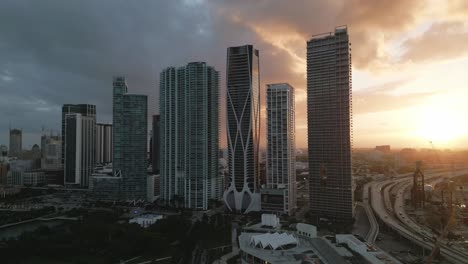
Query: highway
(398, 220)
(374, 225)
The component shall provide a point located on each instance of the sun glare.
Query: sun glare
(441, 122)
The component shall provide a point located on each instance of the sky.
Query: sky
(410, 59)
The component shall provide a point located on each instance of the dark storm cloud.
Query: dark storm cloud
(56, 52)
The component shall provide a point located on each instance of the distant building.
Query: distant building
(3, 151)
(329, 115)
(4, 167)
(16, 142)
(189, 113)
(21, 165)
(103, 143)
(243, 128)
(15, 178)
(281, 150)
(51, 152)
(78, 143)
(35, 156)
(155, 144)
(34, 178)
(130, 130)
(383, 148)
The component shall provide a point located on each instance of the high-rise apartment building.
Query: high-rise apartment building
(78, 143)
(16, 142)
(189, 133)
(279, 194)
(103, 143)
(243, 128)
(172, 129)
(155, 144)
(329, 114)
(130, 131)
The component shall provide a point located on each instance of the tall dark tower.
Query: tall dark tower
(130, 131)
(329, 116)
(243, 128)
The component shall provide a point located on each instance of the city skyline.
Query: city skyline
(394, 89)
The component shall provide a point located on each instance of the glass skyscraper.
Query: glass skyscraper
(189, 134)
(329, 115)
(130, 130)
(243, 128)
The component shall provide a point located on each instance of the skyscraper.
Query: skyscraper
(280, 192)
(329, 114)
(103, 143)
(172, 129)
(79, 143)
(243, 128)
(83, 109)
(155, 144)
(189, 128)
(16, 142)
(130, 129)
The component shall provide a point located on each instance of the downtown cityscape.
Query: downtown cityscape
(233, 132)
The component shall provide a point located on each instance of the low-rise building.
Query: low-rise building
(145, 220)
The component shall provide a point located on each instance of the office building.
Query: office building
(130, 130)
(329, 114)
(243, 128)
(279, 192)
(103, 143)
(189, 133)
(79, 143)
(16, 142)
(155, 145)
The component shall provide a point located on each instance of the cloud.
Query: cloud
(442, 41)
(382, 98)
(55, 52)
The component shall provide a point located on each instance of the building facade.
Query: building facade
(16, 142)
(130, 135)
(103, 143)
(79, 143)
(189, 133)
(329, 116)
(243, 128)
(51, 152)
(281, 149)
(155, 144)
